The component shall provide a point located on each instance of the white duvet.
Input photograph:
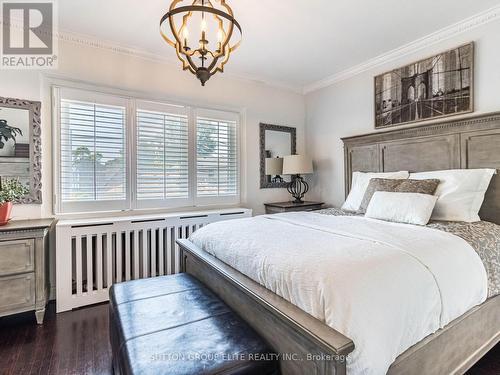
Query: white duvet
(384, 285)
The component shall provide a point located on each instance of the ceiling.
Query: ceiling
(294, 42)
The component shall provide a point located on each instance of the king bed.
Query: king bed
(335, 292)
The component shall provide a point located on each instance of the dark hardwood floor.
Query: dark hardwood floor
(77, 343)
(73, 342)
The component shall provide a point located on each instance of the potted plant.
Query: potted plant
(10, 190)
(8, 136)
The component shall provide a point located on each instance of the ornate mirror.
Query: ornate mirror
(275, 143)
(20, 145)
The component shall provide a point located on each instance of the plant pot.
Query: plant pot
(5, 210)
(8, 149)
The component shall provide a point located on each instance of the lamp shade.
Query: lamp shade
(297, 164)
(274, 166)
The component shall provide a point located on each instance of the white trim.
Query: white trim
(131, 144)
(56, 146)
(114, 47)
(242, 160)
(72, 93)
(169, 203)
(89, 41)
(160, 107)
(192, 152)
(216, 114)
(69, 82)
(480, 19)
(92, 206)
(70, 257)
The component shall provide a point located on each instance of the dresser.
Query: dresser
(24, 265)
(274, 208)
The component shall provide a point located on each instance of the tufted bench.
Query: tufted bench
(175, 325)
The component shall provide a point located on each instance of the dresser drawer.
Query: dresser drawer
(18, 292)
(17, 256)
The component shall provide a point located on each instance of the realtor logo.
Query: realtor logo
(28, 30)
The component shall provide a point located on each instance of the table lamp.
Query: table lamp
(274, 166)
(297, 165)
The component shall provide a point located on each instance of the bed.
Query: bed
(312, 346)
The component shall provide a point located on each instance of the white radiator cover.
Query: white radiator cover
(93, 254)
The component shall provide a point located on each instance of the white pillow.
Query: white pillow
(360, 181)
(408, 208)
(461, 192)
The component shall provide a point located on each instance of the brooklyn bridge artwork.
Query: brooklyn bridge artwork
(435, 87)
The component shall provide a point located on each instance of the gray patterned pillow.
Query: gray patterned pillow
(397, 186)
(377, 184)
(428, 187)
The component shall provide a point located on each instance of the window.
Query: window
(92, 152)
(216, 155)
(117, 153)
(162, 153)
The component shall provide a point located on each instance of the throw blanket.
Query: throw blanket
(483, 236)
(384, 285)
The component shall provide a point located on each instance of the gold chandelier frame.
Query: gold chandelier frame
(186, 55)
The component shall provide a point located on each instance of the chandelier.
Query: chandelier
(213, 22)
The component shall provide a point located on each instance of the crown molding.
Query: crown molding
(480, 19)
(89, 41)
(106, 45)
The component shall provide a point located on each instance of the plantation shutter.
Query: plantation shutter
(162, 153)
(217, 154)
(116, 152)
(93, 165)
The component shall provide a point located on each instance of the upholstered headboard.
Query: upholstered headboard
(468, 143)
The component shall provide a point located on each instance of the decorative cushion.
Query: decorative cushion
(428, 186)
(401, 186)
(408, 208)
(377, 184)
(461, 192)
(360, 181)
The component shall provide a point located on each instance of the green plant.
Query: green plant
(8, 132)
(11, 189)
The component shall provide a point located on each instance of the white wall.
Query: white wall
(260, 102)
(346, 108)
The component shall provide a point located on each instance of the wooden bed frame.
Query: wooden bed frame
(309, 346)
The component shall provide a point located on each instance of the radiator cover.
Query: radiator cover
(93, 254)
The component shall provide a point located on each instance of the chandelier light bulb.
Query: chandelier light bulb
(185, 35)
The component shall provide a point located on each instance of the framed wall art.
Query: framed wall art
(436, 87)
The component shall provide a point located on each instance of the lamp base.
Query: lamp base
(298, 188)
(277, 179)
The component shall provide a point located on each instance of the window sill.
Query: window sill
(141, 212)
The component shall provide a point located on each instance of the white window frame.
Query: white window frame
(131, 203)
(170, 202)
(91, 97)
(225, 199)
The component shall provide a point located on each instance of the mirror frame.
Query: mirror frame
(264, 184)
(35, 194)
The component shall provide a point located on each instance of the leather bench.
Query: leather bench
(175, 325)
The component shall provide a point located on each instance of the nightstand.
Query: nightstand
(24, 267)
(274, 208)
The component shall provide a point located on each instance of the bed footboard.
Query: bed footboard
(305, 344)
